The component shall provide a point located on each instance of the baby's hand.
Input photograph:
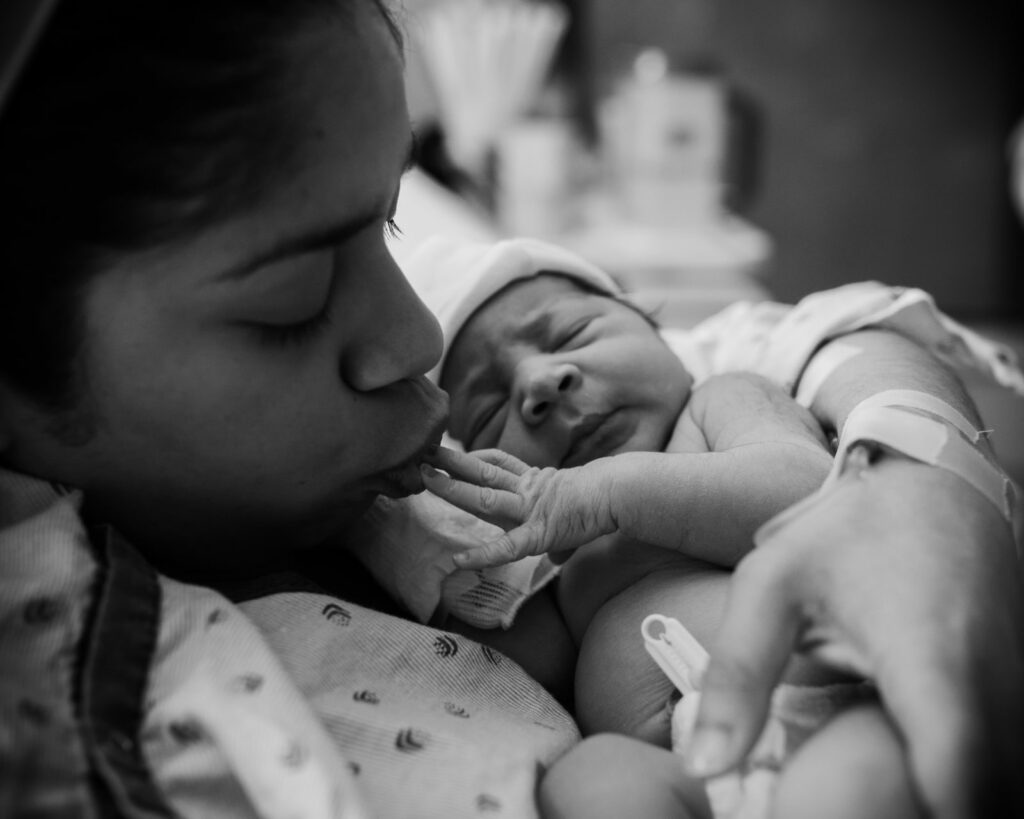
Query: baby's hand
(541, 510)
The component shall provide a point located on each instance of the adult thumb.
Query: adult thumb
(750, 653)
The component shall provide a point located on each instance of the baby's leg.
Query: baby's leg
(619, 688)
(615, 776)
(853, 768)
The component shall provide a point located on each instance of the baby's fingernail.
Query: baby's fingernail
(708, 751)
(428, 471)
(460, 559)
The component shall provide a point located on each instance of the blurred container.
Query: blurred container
(535, 170)
(664, 138)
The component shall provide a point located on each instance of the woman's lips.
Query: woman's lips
(402, 481)
(405, 478)
(596, 436)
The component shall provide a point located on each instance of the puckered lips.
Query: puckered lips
(404, 478)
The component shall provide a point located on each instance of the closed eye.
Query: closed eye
(296, 333)
(574, 332)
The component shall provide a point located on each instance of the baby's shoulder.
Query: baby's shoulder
(717, 401)
(737, 391)
(739, 408)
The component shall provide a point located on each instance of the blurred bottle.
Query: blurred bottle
(537, 168)
(664, 136)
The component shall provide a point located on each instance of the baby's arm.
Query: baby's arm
(767, 454)
(753, 451)
(738, 409)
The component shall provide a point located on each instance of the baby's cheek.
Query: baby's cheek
(530, 445)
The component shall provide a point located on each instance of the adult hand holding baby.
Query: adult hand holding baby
(540, 509)
(860, 578)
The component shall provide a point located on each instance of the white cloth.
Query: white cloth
(407, 546)
(777, 340)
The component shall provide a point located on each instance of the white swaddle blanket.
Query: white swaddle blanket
(408, 544)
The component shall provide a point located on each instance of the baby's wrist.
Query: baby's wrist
(624, 485)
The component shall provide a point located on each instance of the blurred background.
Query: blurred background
(704, 151)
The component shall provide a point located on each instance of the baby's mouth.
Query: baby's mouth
(593, 437)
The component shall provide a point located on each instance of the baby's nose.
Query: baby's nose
(545, 386)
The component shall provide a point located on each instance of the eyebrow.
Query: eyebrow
(317, 238)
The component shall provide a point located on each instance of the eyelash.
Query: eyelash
(572, 334)
(392, 230)
(288, 335)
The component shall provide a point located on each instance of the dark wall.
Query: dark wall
(881, 141)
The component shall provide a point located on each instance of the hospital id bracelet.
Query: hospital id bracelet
(926, 429)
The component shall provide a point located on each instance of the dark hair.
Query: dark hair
(135, 123)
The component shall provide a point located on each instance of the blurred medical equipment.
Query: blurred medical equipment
(487, 61)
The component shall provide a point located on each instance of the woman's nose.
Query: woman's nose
(545, 383)
(395, 337)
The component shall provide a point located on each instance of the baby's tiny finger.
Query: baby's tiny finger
(488, 503)
(472, 469)
(442, 456)
(502, 459)
(496, 553)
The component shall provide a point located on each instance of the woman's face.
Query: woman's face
(259, 384)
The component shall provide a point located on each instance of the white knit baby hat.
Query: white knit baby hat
(454, 277)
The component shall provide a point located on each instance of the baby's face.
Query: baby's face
(559, 376)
